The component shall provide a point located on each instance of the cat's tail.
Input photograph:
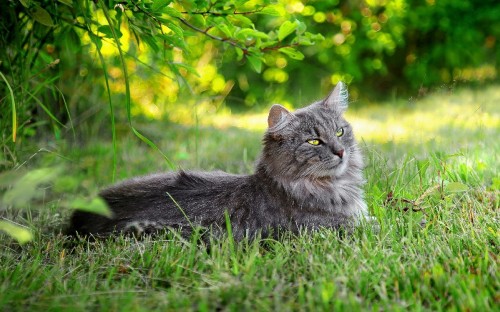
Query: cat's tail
(85, 224)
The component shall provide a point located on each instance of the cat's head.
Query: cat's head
(314, 142)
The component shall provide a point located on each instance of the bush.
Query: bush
(63, 60)
(380, 46)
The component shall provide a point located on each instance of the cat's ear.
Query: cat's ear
(338, 99)
(278, 115)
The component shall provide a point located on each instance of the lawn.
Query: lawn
(432, 170)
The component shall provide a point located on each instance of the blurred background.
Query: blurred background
(81, 71)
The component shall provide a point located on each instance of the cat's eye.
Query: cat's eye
(339, 132)
(314, 142)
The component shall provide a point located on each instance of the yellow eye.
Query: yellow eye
(340, 132)
(313, 142)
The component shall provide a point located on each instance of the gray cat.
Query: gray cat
(308, 176)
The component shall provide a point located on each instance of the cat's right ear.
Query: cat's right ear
(278, 116)
(338, 99)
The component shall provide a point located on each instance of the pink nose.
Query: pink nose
(339, 153)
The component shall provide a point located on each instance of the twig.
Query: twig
(277, 47)
(208, 12)
(150, 16)
(205, 32)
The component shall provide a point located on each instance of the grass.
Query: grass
(433, 184)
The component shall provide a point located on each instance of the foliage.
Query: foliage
(66, 33)
(381, 46)
(61, 58)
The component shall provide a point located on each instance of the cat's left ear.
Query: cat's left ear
(278, 117)
(338, 99)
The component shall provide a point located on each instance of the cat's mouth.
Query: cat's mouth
(325, 170)
(334, 164)
(331, 169)
(326, 173)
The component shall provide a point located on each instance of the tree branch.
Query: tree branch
(208, 12)
(277, 47)
(205, 32)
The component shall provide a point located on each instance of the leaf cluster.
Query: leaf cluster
(50, 44)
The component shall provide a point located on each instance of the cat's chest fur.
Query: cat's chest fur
(322, 203)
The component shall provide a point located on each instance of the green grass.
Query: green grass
(437, 248)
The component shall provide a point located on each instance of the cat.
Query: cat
(308, 176)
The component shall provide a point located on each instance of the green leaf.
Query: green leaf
(10, 177)
(269, 11)
(151, 42)
(292, 53)
(267, 44)
(172, 12)
(96, 205)
(224, 28)
(174, 41)
(96, 40)
(308, 39)
(19, 233)
(315, 37)
(159, 4)
(456, 187)
(26, 3)
(301, 27)
(26, 188)
(202, 4)
(286, 29)
(198, 20)
(256, 62)
(190, 69)
(303, 41)
(67, 2)
(239, 53)
(106, 30)
(241, 20)
(174, 27)
(248, 32)
(42, 16)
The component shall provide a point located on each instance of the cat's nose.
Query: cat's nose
(339, 153)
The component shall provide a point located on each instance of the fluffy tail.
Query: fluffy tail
(84, 223)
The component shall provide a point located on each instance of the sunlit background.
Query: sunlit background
(416, 73)
(377, 47)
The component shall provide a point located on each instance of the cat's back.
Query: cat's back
(162, 199)
(170, 181)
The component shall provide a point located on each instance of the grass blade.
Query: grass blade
(182, 210)
(45, 109)
(127, 85)
(13, 107)
(67, 112)
(111, 108)
(231, 243)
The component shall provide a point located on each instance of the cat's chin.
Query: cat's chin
(340, 169)
(329, 173)
(321, 180)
